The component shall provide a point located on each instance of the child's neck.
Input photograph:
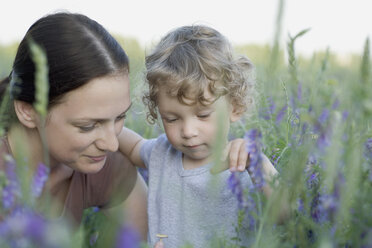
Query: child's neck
(189, 164)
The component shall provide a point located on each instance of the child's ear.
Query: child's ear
(26, 113)
(235, 114)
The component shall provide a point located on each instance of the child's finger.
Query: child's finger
(242, 157)
(159, 244)
(234, 154)
(238, 155)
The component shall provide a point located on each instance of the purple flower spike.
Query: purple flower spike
(12, 190)
(336, 104)
(245, 201)
(300, 206)
(368, 149)
(281, 114)
(324, 116)
(236, 188)
(128, 238)
(299, 92)
(38, 182)
(24, 228)
(345, 115)
(253, 147)
(325, 205)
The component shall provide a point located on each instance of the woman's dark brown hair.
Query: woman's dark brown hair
(78, 49)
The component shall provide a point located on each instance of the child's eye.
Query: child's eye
(204, 116)
(170, 120)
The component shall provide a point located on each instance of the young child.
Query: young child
(197, 87)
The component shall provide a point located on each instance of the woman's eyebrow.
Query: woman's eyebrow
(102, 119)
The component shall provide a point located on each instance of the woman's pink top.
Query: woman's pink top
(87, 190)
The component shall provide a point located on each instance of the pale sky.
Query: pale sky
(343, 25)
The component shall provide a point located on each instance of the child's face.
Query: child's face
(192, 129)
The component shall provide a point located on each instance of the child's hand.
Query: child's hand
(235, 155)
(238, 155)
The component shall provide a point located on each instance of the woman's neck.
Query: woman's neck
(26, 142)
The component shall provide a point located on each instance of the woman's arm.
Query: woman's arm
(135, 207)
(130, 144)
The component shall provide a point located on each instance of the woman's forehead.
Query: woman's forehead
(97, 97)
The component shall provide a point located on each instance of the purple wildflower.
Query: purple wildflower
(311, 175)
(324, 116)
(345, 114)
(303, 133)
(368, 149)
(317, 212)
(281, 113)
(127, 238)
(267, 111)
(336, 104)
(236, 188)
(271, 105)
(313, 180)
(325, 205)
(40, 177)
(301, 207)
(299, 92)
(253, 147)
(24, 227)
(276, 155)
(12, 190)
(245, 201)
(323, 140)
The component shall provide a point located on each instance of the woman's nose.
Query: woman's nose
(108, 140)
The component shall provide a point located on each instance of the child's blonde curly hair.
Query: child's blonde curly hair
(189, 60)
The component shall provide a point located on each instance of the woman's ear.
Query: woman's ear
(26, 113)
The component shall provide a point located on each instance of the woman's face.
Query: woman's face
(83, 128)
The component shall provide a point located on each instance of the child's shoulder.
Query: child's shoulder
(161, 142)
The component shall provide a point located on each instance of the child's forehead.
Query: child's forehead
(190, 96)
(169, 101)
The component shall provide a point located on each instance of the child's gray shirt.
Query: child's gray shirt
(191, 206)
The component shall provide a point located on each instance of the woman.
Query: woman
(88, 100)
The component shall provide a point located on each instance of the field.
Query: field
(313, 116)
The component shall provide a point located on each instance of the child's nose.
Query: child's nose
(189, 130)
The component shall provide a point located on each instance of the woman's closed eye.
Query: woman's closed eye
(121, 117)
(87, 128)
